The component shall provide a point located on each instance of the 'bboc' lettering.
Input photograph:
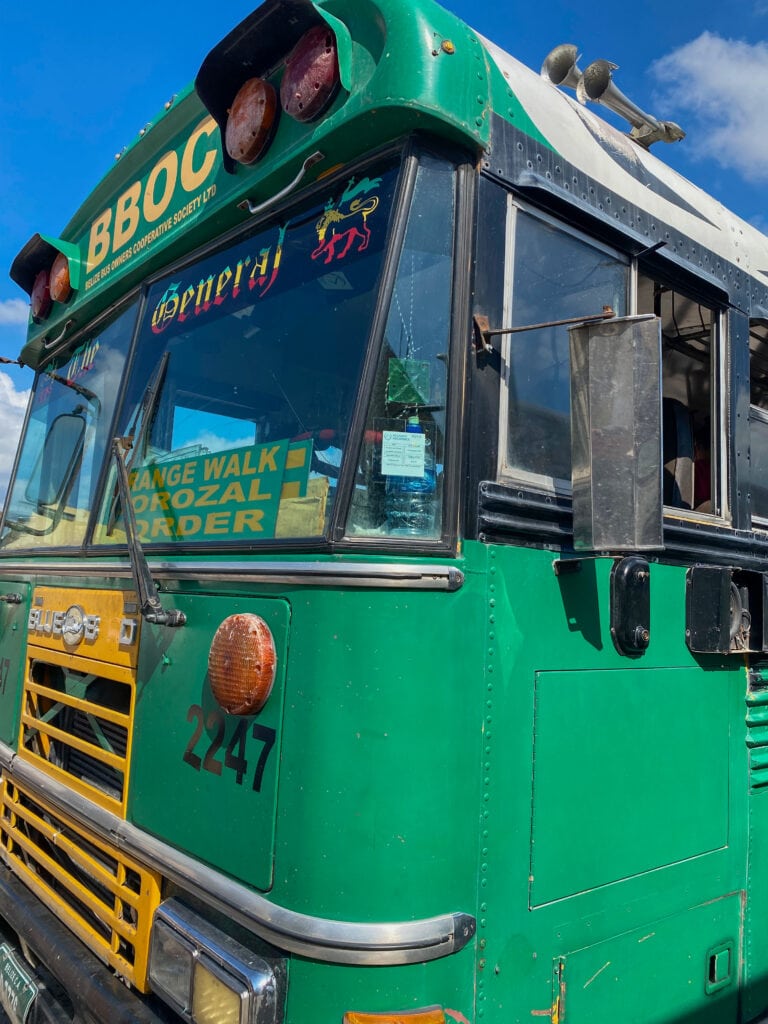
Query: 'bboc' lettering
(115, 227)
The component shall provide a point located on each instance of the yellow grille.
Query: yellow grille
(76, 724)
(106, 898)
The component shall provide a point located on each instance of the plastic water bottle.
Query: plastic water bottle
(410, 500)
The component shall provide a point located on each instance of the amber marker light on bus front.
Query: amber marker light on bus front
(431, 1015)
(311, 77)
(251, 121)
(60, 284)
(241, 664)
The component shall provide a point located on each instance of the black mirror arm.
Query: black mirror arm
(149, 600)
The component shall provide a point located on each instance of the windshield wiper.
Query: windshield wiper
(149, 600)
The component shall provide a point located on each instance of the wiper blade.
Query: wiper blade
(147, 409)
(150, 605)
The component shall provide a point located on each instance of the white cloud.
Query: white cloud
(14, 311)
(13, 404)
(211, 442)
(722, 84)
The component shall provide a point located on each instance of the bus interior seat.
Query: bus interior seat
(677, 432)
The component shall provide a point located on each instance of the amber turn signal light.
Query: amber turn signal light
(61, 286)
(432, 1015)
(241, 664)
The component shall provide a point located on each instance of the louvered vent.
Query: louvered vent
(79, 725)
(757, 727)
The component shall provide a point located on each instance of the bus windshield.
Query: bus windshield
(246, 371)
(66, 438)
(235, 409)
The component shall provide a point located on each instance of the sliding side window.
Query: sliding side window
(758, 421)
(553, 275)
(689, 346)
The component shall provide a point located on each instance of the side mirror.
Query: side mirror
(616, 435)
(57, 463)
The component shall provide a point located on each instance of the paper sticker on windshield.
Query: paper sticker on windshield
(218, 496)
(403, 454)
(343, 227)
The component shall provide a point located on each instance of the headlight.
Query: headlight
(206, 976)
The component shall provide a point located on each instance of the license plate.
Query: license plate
(17, 988)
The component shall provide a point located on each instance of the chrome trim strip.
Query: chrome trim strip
(340, 942)
(399, 575)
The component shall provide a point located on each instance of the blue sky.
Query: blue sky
(77, 84)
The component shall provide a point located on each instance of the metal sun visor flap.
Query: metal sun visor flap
(616, 435)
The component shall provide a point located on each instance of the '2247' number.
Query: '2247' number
(234, 752)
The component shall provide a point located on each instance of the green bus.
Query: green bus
(383, 591)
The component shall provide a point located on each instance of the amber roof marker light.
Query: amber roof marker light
(61, 285)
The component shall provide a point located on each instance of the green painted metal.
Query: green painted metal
(473, 751)
(13, 640)
(617, 762)
(615, 801)
(587, 811)
(224, 805)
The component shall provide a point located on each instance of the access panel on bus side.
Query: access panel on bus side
(614, 807)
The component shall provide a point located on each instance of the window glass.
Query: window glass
(758, 418)
(555, 276)
(67, 435)
(246, 373)
(688, 331)
(399, 485)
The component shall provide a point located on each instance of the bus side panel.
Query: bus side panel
(613, 791)
(620, 765)
(657, 971)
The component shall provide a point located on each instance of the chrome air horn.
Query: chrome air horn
(560, 66)
(596, 83)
